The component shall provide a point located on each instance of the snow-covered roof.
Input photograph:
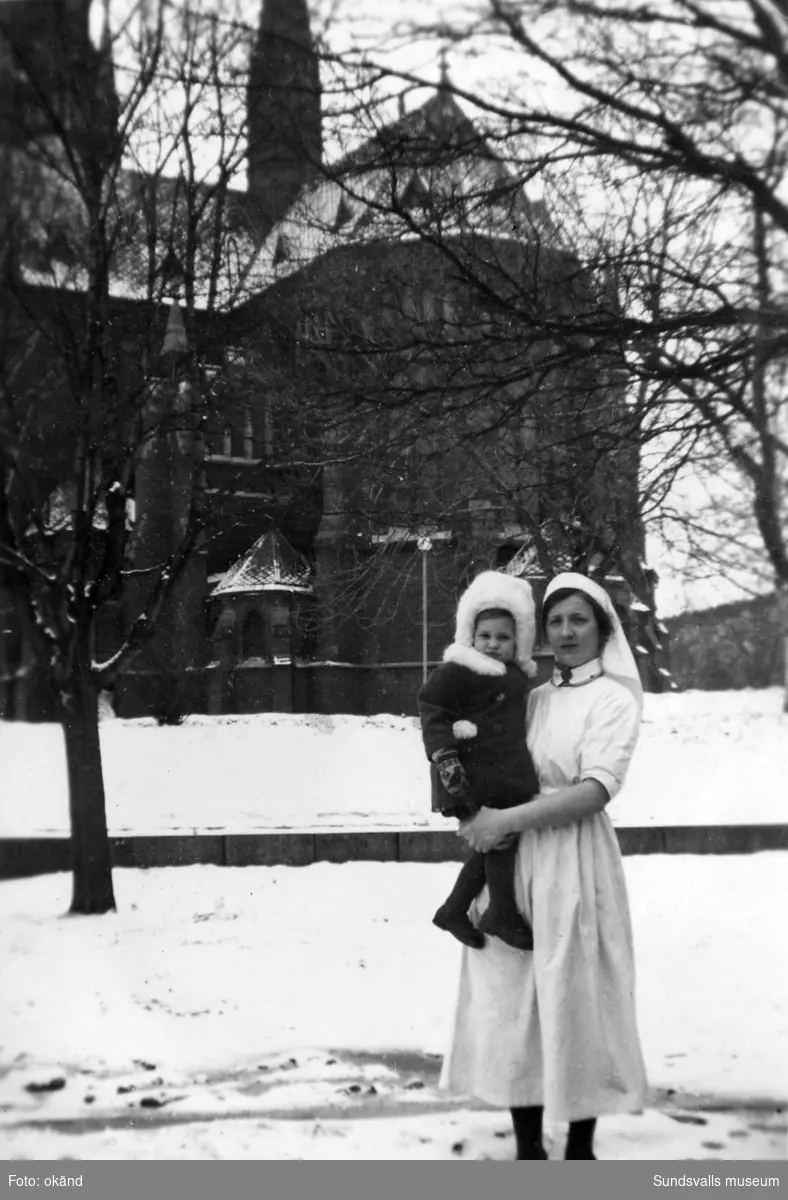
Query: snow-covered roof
(432, 164)
(525, 565)
(151, 215)
(62, 502)
(270, 565)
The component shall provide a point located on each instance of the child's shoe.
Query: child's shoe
(459, 925)
(512, 930)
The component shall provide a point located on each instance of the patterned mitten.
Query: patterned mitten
(451, 771)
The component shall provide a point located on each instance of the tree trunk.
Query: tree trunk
(91, 854)
(782, 616)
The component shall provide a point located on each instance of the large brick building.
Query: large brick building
(378, 426)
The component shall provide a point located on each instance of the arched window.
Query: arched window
(253, 636)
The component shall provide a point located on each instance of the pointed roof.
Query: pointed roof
(436, 132)
(438, 158)
(287, 19)
(270, 565)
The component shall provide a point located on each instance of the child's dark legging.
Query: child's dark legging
(502, 918)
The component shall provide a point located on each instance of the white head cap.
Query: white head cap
(493, 589)
(617, 658)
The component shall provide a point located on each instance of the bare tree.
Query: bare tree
(659, 137)
(117, 159)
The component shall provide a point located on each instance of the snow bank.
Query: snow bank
(704, 758)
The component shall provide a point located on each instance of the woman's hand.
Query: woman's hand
(488, 830)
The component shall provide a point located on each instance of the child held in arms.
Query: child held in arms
(472, 711)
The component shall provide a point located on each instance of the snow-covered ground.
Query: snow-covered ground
(704, 758)
(261, 1012)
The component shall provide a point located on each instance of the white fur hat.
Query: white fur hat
(493, 589)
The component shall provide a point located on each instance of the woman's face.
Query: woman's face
(572, 632)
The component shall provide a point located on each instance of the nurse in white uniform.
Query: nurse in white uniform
(553, 1031)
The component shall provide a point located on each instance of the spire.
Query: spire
(42, 50)
(445, 81)
(106, 32)
(284, 125)
(106, 91)
(53, 72)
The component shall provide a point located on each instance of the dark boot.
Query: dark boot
(459, 926)
(528, 1132)
(453, 914)
(517, 934)
(502, 918)
(580, 1142)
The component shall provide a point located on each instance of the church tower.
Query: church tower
(52, 75)
(283, 102)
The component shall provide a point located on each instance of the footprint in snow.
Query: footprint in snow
(51, 1085)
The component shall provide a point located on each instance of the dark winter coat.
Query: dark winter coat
(496, 760)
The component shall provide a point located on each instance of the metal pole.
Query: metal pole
(424, 614)
(424, 545)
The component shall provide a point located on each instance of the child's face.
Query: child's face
(494, 636)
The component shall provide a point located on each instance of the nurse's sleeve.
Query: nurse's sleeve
(609, 739)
